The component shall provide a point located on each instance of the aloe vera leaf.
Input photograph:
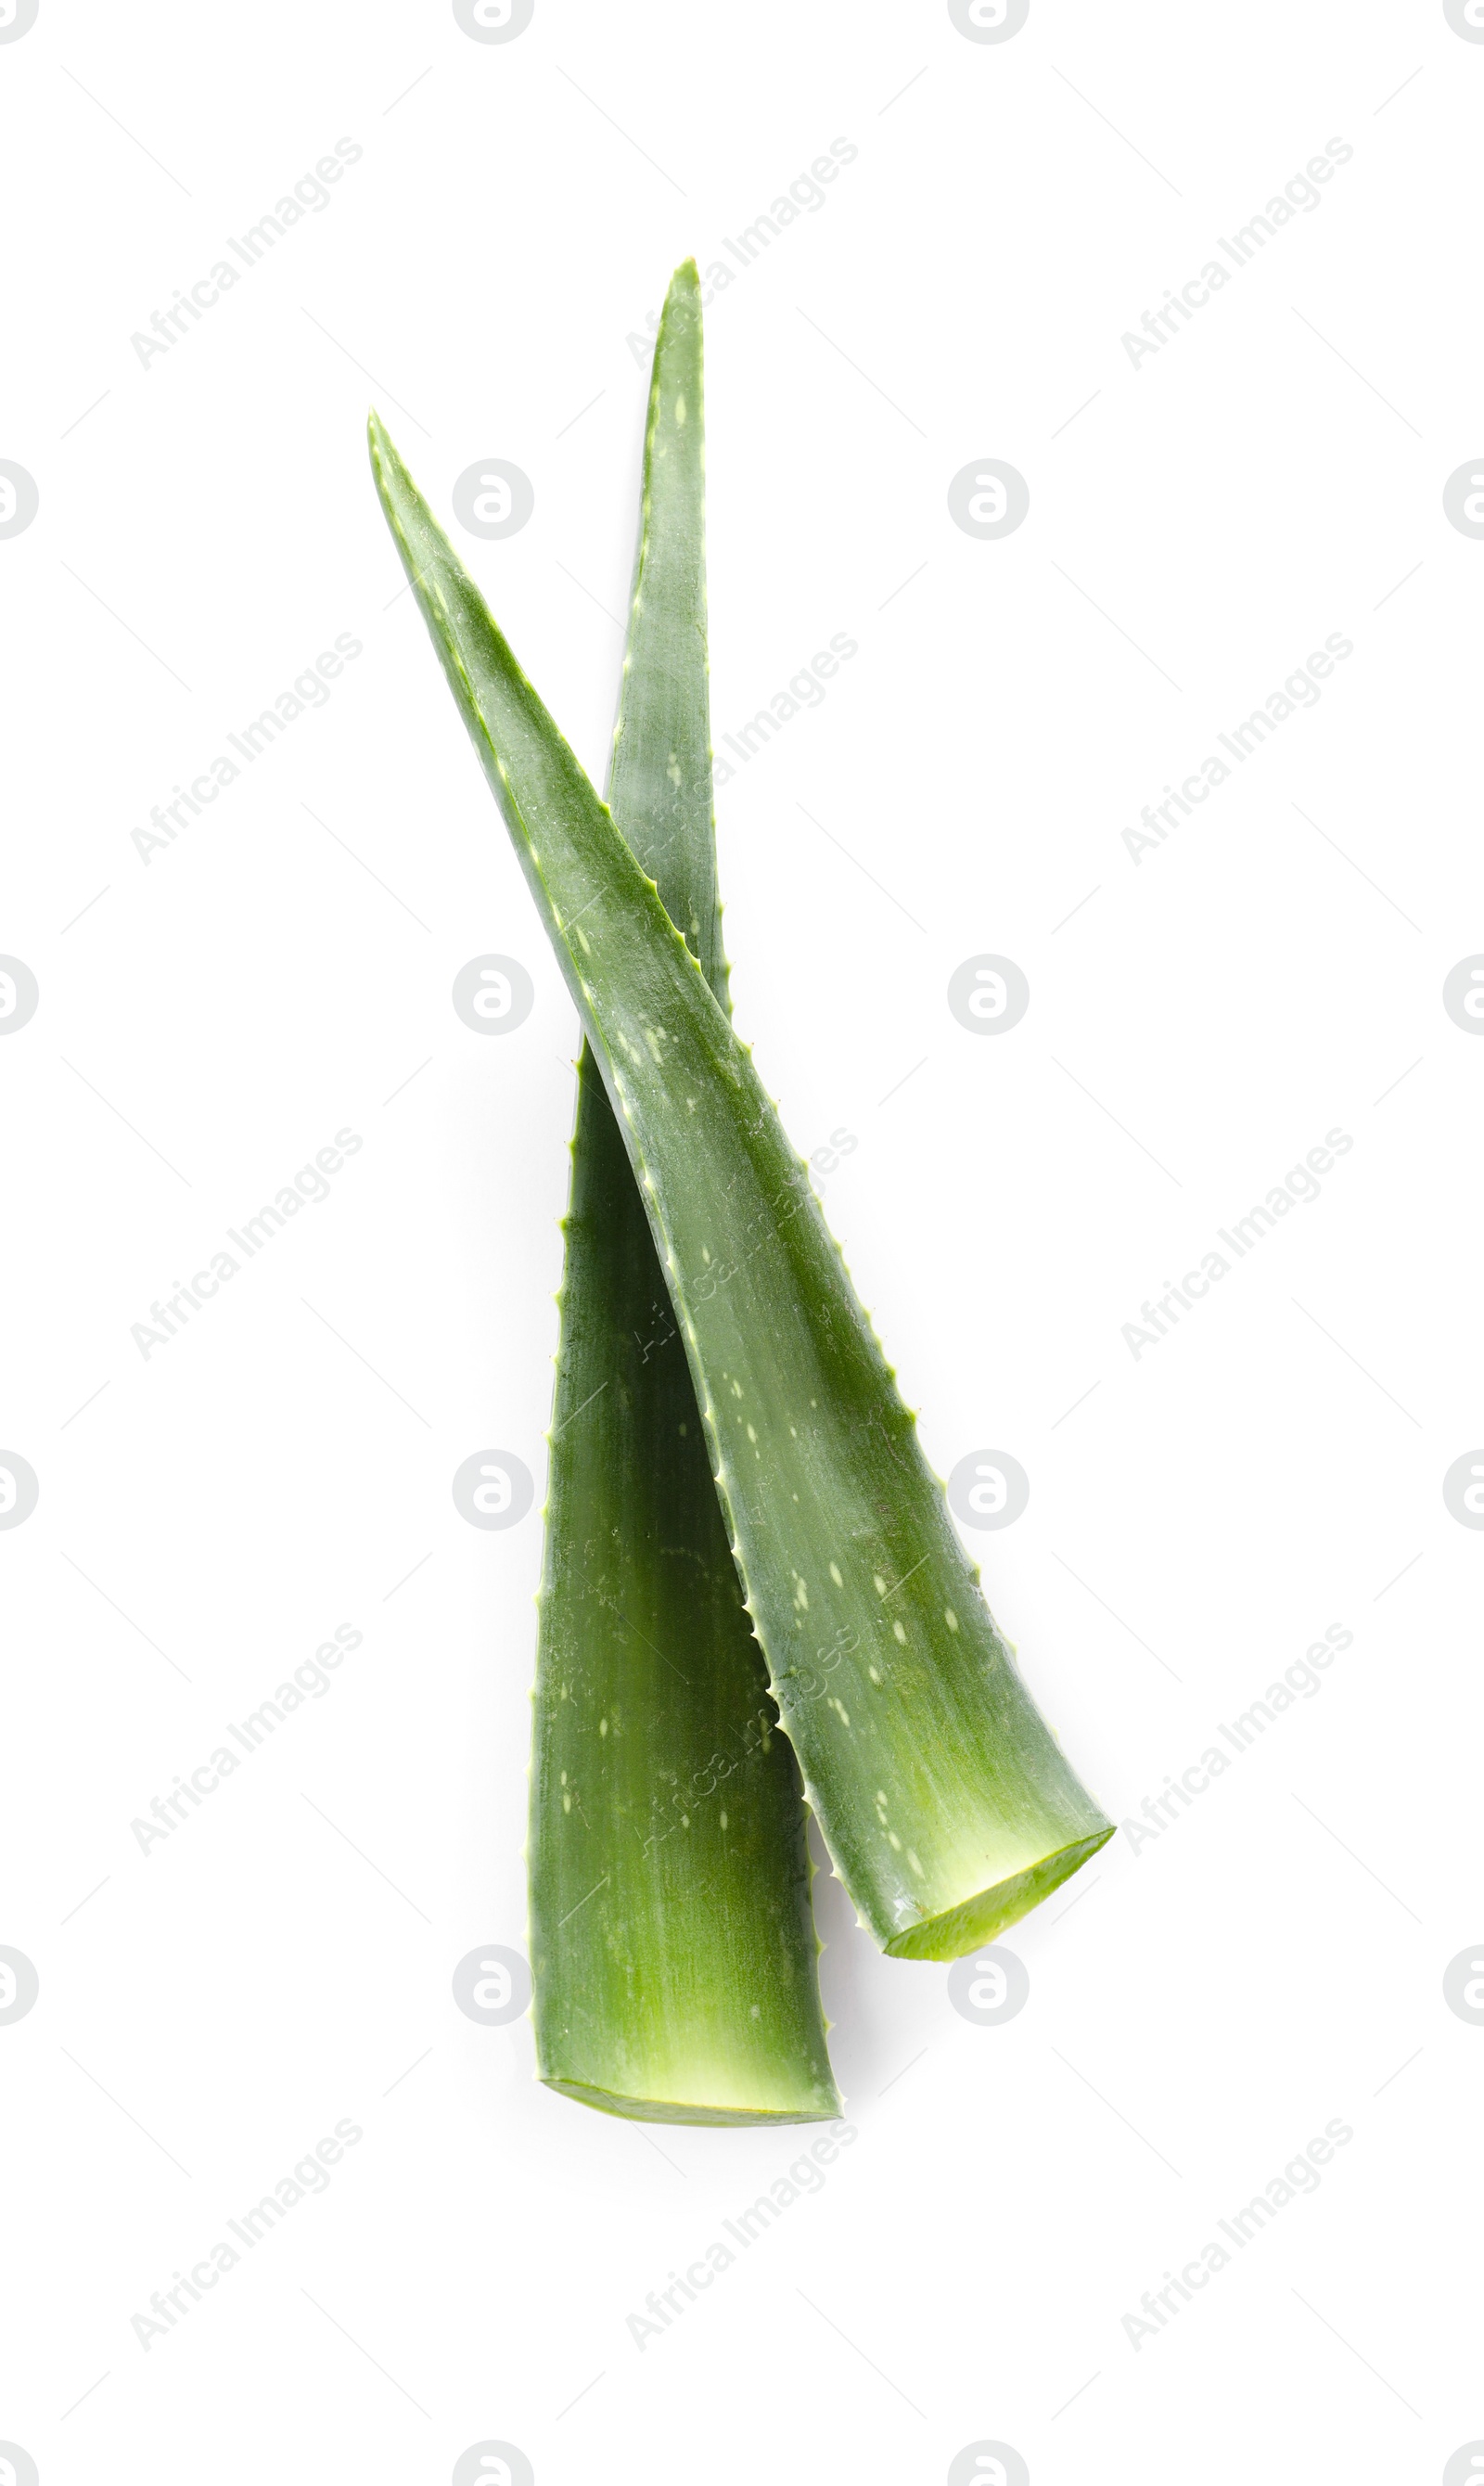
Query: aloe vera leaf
(674, 1955)
(947, 1802)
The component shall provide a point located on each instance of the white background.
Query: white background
(1198, 2008)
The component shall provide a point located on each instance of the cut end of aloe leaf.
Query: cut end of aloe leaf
(962, 1929)
(649, 2110)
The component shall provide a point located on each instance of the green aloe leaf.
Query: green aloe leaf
(672, 1942)
(945, 1801)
